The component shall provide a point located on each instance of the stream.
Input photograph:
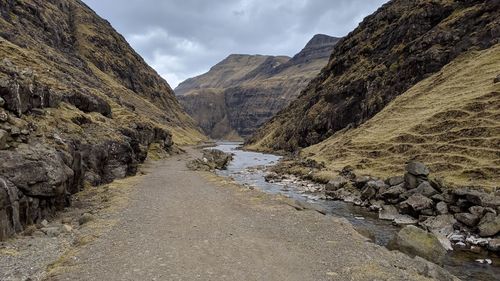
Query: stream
(248, 168)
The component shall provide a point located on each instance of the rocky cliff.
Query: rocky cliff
(399, 45)
(243, 91)
(77, 106)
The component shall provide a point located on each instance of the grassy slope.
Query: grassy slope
(451, 121)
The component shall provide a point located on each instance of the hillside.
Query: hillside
(398, 46)
(243, 91)
(451, 121)
(77, 106)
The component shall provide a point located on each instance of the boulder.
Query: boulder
(442, 208)
(416, 203)
(404, 220)
(442, 224)
(336, 184)
(426, 189)
(467, 219)
(417, 169)
(393, 192)
(418, 242)
(360, 181)
(212, 159)
(397, 180)
(388, 212)
(489, 225)
(475, 197)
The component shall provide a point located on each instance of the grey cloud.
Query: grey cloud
(184, 38)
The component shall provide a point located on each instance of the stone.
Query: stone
(475, 197)
(4, 136)
(44, 223)
(360, 181)
(393, 192)
(411, 181)
(4, 116)
(414, 241)
(397, 180)
(388, 212)
(438, 197)
(51, 231)
(65, 228)
(489, 225)
(442, 224)
(368, 192)
(442, 208)
(417, 169)
(467, 219)
(416, 203)
(477, 211)
(85, 218)
(494, 245)
(426, 189)
(2, 102)
(336, 184)
(404, 220)
(15, 131)
(497, 79)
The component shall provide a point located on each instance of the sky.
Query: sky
(184, 38)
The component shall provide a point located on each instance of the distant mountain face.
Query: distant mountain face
(402, 43)
(77, 105)
(243, 91)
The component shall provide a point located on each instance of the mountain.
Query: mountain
(243, 91)
(399, 45)
(415, 80)
(77, 106)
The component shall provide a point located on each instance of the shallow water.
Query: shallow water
(247, 169)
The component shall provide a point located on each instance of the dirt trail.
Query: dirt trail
(185, 225)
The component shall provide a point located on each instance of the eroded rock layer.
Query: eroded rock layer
(77, 105)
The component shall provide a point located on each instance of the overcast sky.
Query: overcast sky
(184, 38)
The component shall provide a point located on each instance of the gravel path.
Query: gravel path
(185, 225)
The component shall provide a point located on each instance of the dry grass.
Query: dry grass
(450, 121)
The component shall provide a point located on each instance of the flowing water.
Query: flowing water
(247, 168)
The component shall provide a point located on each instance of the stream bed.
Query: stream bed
(248, 168)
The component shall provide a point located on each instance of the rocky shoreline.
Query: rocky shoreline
(463, 218)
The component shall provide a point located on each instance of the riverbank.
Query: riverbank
(180, 224)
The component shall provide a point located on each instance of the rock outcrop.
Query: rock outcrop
(77, 106)
(243, 91)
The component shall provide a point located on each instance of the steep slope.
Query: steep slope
(242, 92)
(451, 121)
(393, 49)
(77, 105)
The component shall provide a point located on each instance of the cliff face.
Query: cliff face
(77, 105)
(393, 49)
(242, 92)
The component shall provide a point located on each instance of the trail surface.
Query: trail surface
(185, 225)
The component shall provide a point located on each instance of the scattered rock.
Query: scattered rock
(416, 203)
(360, 181)
(393, 192)
(65, 228)
(418, 242)
(426, 189)
(397, 180)
(388, 212)
(467, 219)
(494, 245)
(489, 225)
(51, 231)
(404, 220)
(442, 224)
(417, 169)
(85, 218)
(442, 208)
(336, 184)
(411, 181)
